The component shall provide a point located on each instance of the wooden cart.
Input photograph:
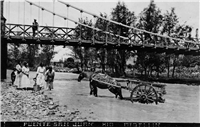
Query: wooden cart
(143, 92)
(146, 92)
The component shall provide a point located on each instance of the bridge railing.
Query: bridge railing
(135, 38)
(61, 33)
(142, 38)
(43, 32)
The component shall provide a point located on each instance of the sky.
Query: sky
(21, 12)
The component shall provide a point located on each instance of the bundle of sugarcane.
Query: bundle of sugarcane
(105, 78)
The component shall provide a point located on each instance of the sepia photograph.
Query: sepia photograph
(100, 63)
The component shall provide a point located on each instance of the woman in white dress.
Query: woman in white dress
(18, 74)
(25, 81)
(40, 76)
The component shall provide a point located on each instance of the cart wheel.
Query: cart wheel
(144, 93)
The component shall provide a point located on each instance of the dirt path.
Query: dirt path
(182, 103)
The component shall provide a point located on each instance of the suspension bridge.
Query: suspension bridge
(52, 35)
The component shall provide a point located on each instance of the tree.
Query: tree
(102, 25)
(84, 54)
(69, 63)
(102, 52)
(33, 51)
(14, 54)
(169, 28)
(150, 20)
(77, 53)
(83, 32)
(47, 54)
(23, 53)
(122, 15)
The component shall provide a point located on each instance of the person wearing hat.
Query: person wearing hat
(34, 27)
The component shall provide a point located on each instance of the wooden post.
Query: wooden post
(2, 7)
(3, 46)
(3, 58)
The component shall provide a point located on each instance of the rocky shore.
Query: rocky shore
(26, 105)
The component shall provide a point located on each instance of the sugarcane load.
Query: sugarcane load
(140, 91)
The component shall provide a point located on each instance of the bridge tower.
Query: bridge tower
(3, 45)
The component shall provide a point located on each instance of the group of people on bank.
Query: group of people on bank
(44, 76)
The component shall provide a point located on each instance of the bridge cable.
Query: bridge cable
(67, 15)
(18, 10)
(67, 26)
(24, 20)
(66, 38)
(93, 31)
(65, 34)
(18, 15)
(6, 10)
(30, 12)
(53, 19)
(42, 24)
(38, 11)
(42, 16)
(9, 18)
(39, 17)
(30, 18)
(81, 27)
(9, 10)
(24, 13)
(38, 21)
(130, 27)
(107, 31)
(9, 15)
(64, 22)
(53, 11)
(75, 21)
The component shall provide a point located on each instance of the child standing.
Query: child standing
(13, 76)
(50, 73)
